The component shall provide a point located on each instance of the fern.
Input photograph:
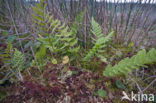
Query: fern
(63, 41)
(41, 53)
(6, 56)
(44, 22)
(13, 63)
(17, 60)
(69, 41)
(56, 37)
(39, 15)
(129, 64)
(100, 42)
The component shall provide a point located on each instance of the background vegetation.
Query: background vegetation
(69, 51)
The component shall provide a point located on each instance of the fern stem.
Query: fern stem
(19, 76)
(50, 42)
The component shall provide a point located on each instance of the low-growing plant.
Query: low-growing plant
(141, 59)
(54, 36)
(13, 64)
(100, 42)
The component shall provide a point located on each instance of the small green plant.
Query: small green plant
(54, 36)
(17, 64)
(100, 42)
(13, 63)
(6, 55)
(6, 58)
(41, 53)
(17, 60)
(129, 64)
(102, 93)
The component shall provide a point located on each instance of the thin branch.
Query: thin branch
(149, 85)
(35, 58)
(154, 76)
(15, 27)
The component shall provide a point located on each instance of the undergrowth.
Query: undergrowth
(66, 61)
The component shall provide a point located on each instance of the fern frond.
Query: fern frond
(96, 29)
(41, 53)
(100, 42)
(129, 64)
(17, 60)
(39, 17)
(54, 35)
(6, 56)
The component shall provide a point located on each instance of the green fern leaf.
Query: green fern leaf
(41, 53)
(129, 64)
(18, 60)
(100, 42)
(54, 35)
